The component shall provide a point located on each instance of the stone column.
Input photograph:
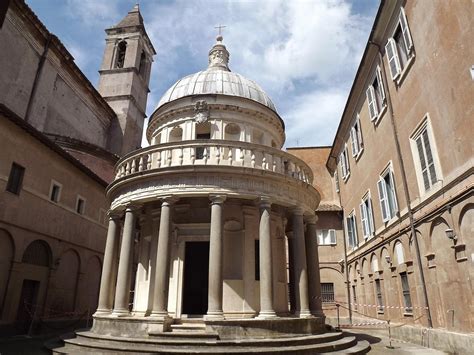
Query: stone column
(122, 292)
(214, 308)
(266, 266)
(300, 266)
(109, 267)
(312, 258)
(160, 296)
(291, 272)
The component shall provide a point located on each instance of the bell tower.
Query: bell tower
(124, 79)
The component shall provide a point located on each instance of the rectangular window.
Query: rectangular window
(80, 205)
(428, 168)
(376, 96)
(327, 292)
(387, 195)
(15, 179)
(356, 138)
(378, 293)
(344, 160)
(200, 150)
(327, 237)
(55, 191)
(367, 216)
(399, 48)
(354, 297)
(351, 231)
(406, 292)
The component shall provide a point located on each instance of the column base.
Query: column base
(318, 313)
(214, 315)
(266, 315)
(304, 314)
(102, 312)
(120, 313)
(159, 315)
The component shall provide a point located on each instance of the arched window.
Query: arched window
(232, 132)
(399, 253)
(37, 253)
(142, 67)
(176, 134)
(120, 54)
(257, 137)
(374, 264)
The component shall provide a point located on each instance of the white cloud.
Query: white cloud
(93, 12)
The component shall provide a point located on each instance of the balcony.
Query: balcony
(213, 153)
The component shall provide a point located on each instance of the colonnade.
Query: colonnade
(114, 296)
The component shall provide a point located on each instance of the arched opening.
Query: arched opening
(176, 134)
(157, 139)
(274, 145)
(120, 54)
(93, 272)
(398, 253)
(65, 282)
(257, 136)
(6, 256)
(37, 253)
(142, 65)
(232, 132)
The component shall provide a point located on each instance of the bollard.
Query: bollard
(389, 346)
(338, 321)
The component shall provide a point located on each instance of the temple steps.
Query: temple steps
(188, 343)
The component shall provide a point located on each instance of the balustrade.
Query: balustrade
(214, 152)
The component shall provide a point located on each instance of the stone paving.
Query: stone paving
(378, 341)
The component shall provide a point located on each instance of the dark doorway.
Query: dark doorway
(27, 307)
(196, 278)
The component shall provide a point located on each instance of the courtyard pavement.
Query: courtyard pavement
(24, 345)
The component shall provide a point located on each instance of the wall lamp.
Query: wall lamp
(450, 234)
(388, 259)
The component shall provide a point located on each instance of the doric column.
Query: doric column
(109, 267)
(214, 309)
(266, 263)
(162, 261)
(300, 266)
(312, 259)
(122, 292)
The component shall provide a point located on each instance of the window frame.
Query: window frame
(367, 216)
(52, 185)
(384, 196)
(352, 217)
(328, 292)
(425, 126)
(379, 296)
(80, 198)
(12, 186)
(332, 238)
(406, 293)
(357, 141)
(376, 109)
(344, 161)
(397, 70)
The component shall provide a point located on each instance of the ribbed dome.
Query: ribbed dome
(213, 81)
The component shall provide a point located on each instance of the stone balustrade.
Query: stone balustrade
(213, 152)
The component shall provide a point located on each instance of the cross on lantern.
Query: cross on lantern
(220, 27)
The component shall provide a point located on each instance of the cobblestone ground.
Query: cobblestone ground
(20, 345)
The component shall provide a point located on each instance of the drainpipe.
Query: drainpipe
(405, 186)
(37, 76)
(346, 269)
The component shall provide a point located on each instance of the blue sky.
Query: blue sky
(304, 54)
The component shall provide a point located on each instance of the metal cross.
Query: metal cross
(220, 27)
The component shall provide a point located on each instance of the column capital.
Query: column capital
(132, 207)
(168, 200)
(114, 215)
(264, 202)
(217, 199)
(310, 219)
(297, 210)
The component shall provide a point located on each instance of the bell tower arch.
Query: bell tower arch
(124, 79)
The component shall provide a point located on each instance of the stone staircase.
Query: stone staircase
(191, 337)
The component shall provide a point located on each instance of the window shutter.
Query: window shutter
(383, 200)
(320, 238)
(363, 219)
(343, 165)
(350, 232)
(346, 156)
(393, 60)
(424, 168)
(371, 102)
(405, 31)
(354, 144)
(394, 195)
(379, 79)
(359, 133)
(336, 178)
(370, 216)
(332, 236)
(429, 157)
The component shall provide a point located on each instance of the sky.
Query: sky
(303, 53)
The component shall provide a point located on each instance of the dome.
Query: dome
(217, 79)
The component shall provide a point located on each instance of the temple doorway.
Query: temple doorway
(196, 278)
